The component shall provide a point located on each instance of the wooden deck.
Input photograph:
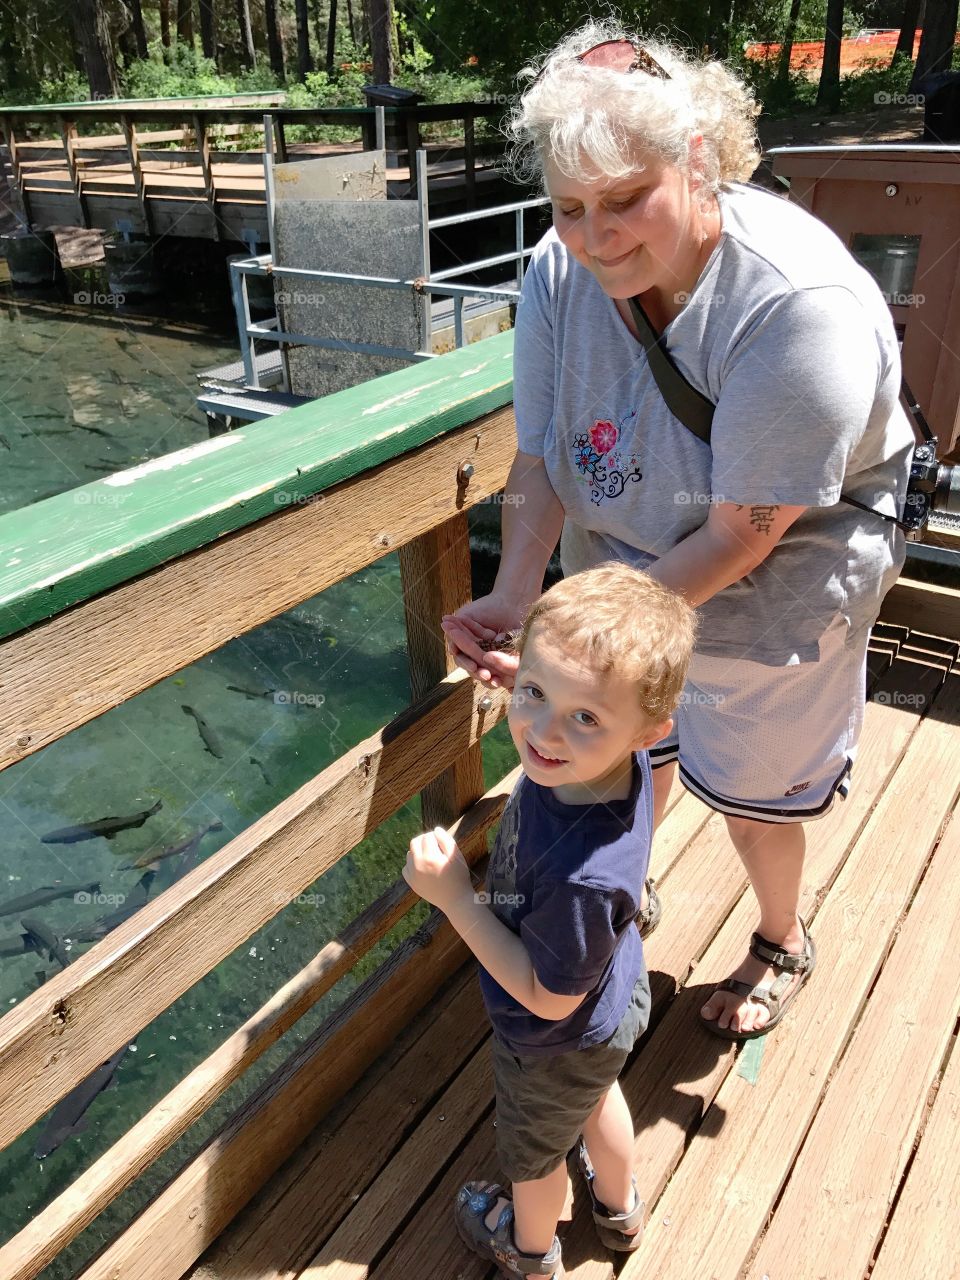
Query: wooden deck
(830, 1147)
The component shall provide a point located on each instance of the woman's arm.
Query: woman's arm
(531, 521)
(732, 542)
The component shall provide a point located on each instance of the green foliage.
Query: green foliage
(186, 74)
(869, 88)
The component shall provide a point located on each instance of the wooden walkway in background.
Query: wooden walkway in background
(839, 1149)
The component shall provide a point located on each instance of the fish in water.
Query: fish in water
(251, 693)
(266, 776)
(96, 431)
(107, 827)
(51, 943)
(210, 739)
(4, 441)
(98, 929)
(47, 893)
(18, 944)
(67, 1117)
(92, 466)
(149, 858)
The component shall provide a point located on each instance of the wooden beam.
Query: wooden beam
(469, 162)
(61, 1032)
(24, 1256)
(16, 165)
(435, 573)
(69, 670)
(929, 608)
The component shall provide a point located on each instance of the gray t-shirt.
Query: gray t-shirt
(793, 342)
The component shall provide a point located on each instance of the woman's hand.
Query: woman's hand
(484, 620)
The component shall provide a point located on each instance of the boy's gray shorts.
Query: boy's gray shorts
(542, 1103)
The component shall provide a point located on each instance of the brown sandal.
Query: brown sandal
(788, 967)
(474, 1201)
(612, 1228)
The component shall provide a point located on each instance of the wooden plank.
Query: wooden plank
(60, 1033)
(669, 1088)
(678, 827)
(282, 1228)
(921, 1239)
(173, 504)
(24, 1256)
(845, 1177)
(933, 609)
(435, 574)
(16, 161)
(739, 1160)
(196, 603)
(469, 162)
(193, 1209)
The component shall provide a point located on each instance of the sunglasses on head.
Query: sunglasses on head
(617, 55)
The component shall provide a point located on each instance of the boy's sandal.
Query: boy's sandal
(649, 916)
(788, 967)
(474, 1201)
(612, 1228)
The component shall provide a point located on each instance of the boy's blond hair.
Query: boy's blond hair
(620, 619)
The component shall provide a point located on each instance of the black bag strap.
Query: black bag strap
(684, 401)
(695, 411)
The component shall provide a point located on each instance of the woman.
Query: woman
(644, 152)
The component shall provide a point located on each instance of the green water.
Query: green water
(340, 662)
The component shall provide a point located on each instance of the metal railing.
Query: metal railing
(425, 286)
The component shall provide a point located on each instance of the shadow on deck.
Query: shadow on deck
(834, 1145)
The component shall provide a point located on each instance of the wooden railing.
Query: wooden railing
(65, 176)
(151, 569)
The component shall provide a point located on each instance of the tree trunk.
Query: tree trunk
(248, 52)
(208, 30)
(274, 38)
(786, 49)
(331, 36)
(165, 23)
(938, 37)
(92, 32)
(828, 92)
(139, 31)
(304, 61)
(185, 22)
(908, 27)
(350, 23)
(381, 40)
(719, 28)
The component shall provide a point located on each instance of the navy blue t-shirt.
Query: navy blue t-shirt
(567, 879)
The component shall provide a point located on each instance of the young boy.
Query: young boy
(603, 658)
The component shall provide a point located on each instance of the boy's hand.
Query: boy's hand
(437, 870)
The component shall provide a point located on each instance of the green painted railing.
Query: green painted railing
(68, 548)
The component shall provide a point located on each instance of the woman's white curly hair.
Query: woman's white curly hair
(591, 121)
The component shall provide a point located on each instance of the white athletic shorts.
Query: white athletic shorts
(772, 743)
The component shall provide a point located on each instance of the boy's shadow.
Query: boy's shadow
(675, 1050)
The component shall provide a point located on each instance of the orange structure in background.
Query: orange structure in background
(856, 53)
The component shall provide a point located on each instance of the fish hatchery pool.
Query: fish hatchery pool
(188, 764)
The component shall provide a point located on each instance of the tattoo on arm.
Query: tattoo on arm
(761, 517)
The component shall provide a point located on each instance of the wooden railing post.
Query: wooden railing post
(68, 132)
(130, 134)
(435, 572)
(203, 147)
(469, 162)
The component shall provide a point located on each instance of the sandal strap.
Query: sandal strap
(502, 1241)
(775, 956)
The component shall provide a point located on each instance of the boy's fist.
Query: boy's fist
(436, 869)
